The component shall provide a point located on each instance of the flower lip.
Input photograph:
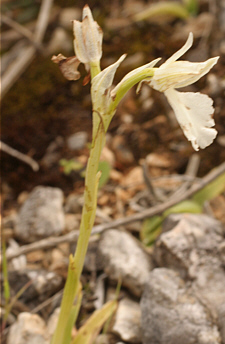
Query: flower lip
(194, 114)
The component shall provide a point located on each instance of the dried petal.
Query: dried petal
(68, 66)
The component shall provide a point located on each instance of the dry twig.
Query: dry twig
(156, 210)
(191, 171)
(25, 158)
(27, 54)
(19, 28)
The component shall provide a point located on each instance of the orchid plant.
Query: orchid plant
(193, 111)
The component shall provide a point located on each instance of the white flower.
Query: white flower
(193, 110)
(87, 38)
(104, 96)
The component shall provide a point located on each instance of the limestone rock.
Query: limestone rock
(41, 215)
(194, 241)
(20, 262)
(194, 247)
(171, 313)
(52, 322)
(128, 321)
(122, 256)
(29, 328)
(77, 140)
(73, 204)
(44, 284)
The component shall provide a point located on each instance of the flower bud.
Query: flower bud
(87, 38)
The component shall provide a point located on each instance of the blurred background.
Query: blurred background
(48, 118)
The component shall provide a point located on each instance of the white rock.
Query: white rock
(52, 322)
(41, 215)
(73, 204)
(194, 247)
(29, 328)
(20, 262)
(128, 321)
(172, 314)
(44, 284)
(77, 140)
(122, 256)
(187, 245)
(71, 222)
(103, 338)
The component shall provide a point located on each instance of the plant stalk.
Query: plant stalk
(87, 222)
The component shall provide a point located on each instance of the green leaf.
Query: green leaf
(210, 191)
(89, 331)
(187, 206)
(105, 168)
(150, 229)
(171, 8)
(192, 6)
(6, 286)
(73, 317)
(71, 165)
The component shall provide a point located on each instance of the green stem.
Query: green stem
(90, 198)
(69, 294)
(76, 263)
(87, 222)
(95, 68)
(125, 85)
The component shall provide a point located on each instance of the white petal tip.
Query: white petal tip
(87, 12)
(206, 140)
(122, 57)
(190, 37)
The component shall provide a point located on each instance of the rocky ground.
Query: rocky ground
(173, 290)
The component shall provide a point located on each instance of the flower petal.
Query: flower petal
(68, 66)
(93, 35)
(200, 68)
(180, 74)
(193, 112)
(87, 13)
(87, 38)
(79, 42)
(180, 52)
